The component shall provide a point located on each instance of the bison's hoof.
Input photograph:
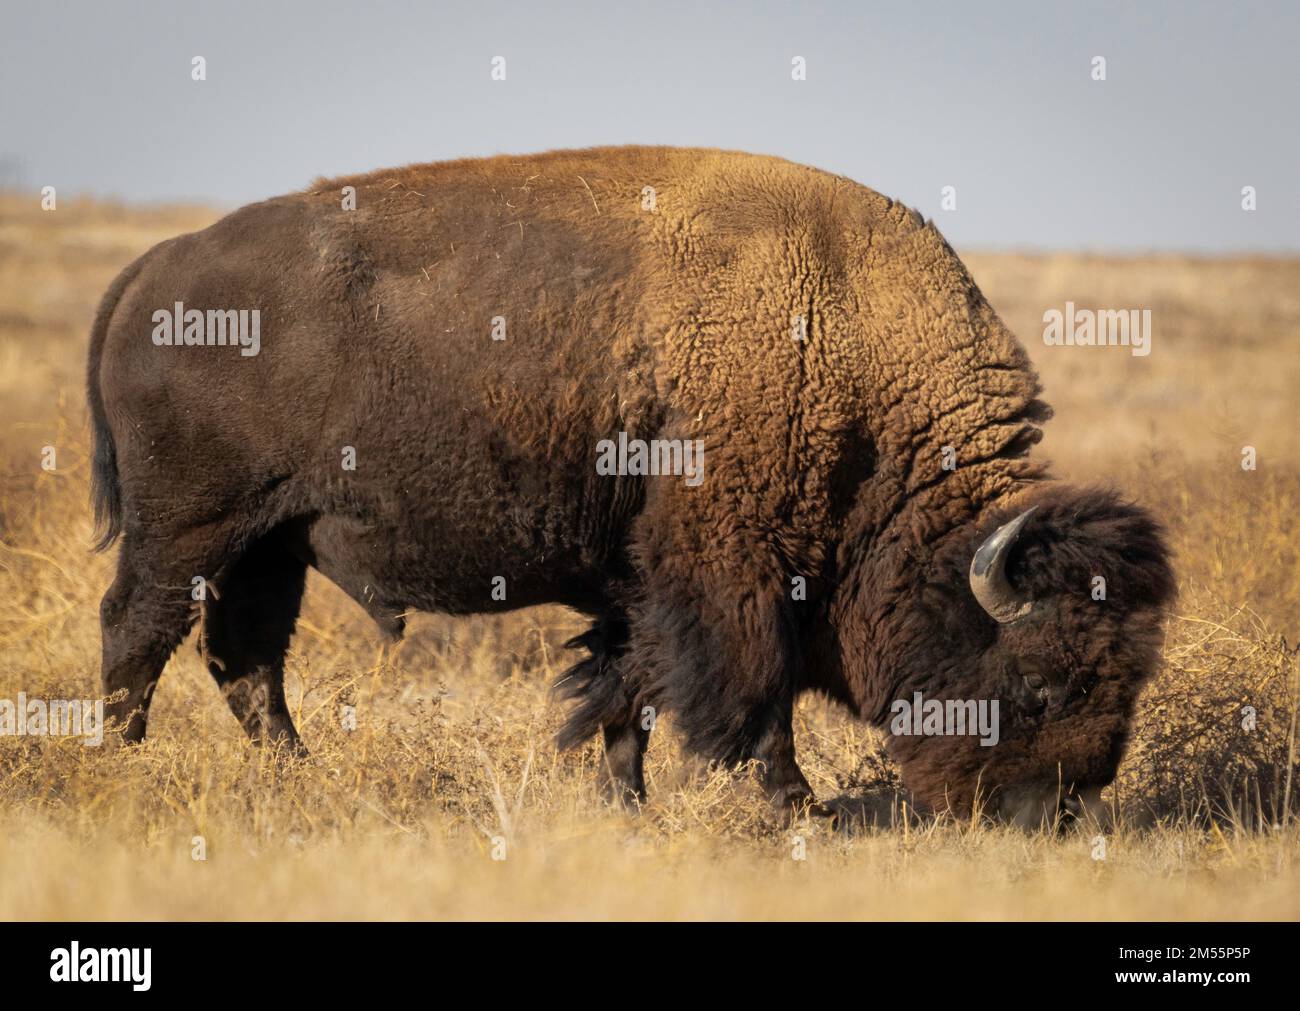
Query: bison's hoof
(622, 795)
(797, 804)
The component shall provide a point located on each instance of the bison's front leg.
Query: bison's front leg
(623, 779)
(783, 781)
(715, 640)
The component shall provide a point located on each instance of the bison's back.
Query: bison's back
(467, 332)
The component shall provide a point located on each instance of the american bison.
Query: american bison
(412, 380)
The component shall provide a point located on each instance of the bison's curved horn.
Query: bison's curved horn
(988, 573)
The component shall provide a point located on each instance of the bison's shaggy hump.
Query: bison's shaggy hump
(863, 412)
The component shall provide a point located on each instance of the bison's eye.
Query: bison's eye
(1036, 685)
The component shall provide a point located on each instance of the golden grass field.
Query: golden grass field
(453, 747)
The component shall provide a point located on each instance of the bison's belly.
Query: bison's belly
(394, 561)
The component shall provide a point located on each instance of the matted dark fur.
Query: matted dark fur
(825, 549)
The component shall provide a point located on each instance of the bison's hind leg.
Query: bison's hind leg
(147, 612)
(605, 704)
(247, 626)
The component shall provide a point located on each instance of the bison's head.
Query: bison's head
(1053, 610)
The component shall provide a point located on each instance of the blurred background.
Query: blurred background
(997, 100)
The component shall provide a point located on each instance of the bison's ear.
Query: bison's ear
(1130, 552)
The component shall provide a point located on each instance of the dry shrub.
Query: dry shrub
(1215, 733)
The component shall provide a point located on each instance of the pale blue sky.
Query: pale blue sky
(995, 99)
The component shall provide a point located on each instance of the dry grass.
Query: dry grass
(453, 751)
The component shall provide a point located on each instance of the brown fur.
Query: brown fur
(824, 456)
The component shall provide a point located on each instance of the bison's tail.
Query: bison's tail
(595, 684)
(105, 488)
